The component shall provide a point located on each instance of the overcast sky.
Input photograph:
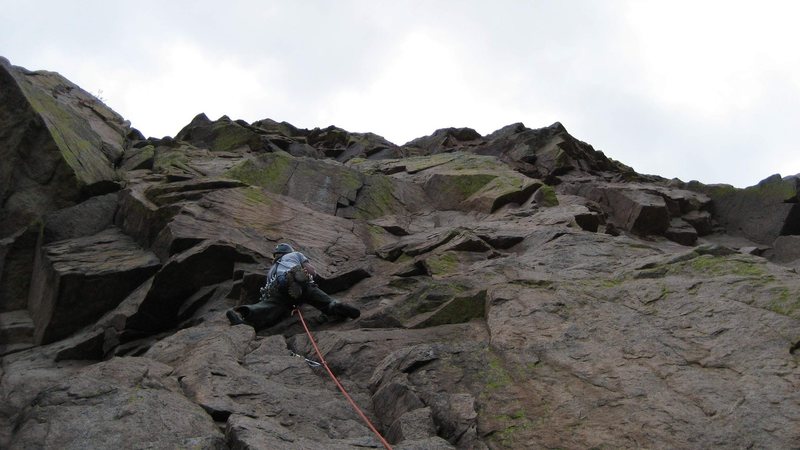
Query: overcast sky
(696, 90)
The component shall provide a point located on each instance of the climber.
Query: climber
(290, 283)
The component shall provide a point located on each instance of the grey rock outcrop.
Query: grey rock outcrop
(114, 404)
(75, 281)
(517, 290)
(760, 213)
(60, 145)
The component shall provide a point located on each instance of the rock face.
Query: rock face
(75, 281)
(760, 213)
(60, 145)
(114, 404)
(517, 290)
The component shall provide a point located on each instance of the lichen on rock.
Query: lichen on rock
(517, 289)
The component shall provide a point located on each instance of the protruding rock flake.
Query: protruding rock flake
(514, 290)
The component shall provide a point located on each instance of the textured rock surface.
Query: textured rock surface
(115, 404)
(17, 254)
(760, 213)
(16, 331)
(75, 281)
(517, 290)
(59, 145)
(84, 219)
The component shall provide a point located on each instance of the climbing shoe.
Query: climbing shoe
(234, 317)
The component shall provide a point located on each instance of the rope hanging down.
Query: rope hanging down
(339, 385)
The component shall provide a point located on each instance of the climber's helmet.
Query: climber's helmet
(282, 249)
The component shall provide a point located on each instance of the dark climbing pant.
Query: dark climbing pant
(272, 310)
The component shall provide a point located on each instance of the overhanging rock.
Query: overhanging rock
(202, 265)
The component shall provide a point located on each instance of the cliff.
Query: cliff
(518, 290)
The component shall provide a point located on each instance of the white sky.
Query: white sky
(703, 90)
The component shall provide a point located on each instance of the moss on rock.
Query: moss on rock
(785, 302)
(376, 198)
(271, 171)
(716, 266)
(81, 148)
(164, 160)
(231, 137)
(442, 263)
(546, 196)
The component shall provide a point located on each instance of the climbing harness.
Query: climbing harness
(338, 384)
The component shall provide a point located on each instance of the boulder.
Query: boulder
(76, 281)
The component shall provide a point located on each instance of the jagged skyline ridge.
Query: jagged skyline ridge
(713, 102)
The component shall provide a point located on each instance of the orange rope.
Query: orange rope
(335, 380)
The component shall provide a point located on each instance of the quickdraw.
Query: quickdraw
(310, 362)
